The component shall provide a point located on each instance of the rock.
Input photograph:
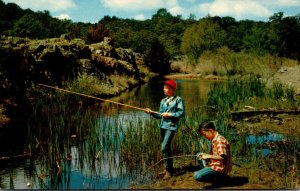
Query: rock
(249, 107)
(282, 70)
(60, 59)
(25, 62)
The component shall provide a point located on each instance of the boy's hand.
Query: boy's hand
(198, 155)
(204, 156)
(165, 115)
(149, 111)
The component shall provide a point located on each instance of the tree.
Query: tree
(275, 29)
(157, 58)
(162, 13)
(97, 33)
(290, 35)
(202, 36)
(256, 39)
(287, 31)
(29, 26)
(9, 13)
(169, 28)
(192, 17)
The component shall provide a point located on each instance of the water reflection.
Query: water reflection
(268, 137)
(94, 145)
(96, 137)
(193, 91)
(101, 175)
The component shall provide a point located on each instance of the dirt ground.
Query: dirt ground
(289, 76)
(252, 176)
(244, 177)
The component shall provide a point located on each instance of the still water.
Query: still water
(84, 170)
(86, 147)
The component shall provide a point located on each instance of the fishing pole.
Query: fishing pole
(93, 97)
(15, 156)
(178, 156)
(122, 104)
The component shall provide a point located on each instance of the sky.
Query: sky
(94, 10)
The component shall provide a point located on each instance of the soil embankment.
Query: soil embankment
(289, 76)
(247, 176)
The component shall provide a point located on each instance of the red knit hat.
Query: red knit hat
(171, 83)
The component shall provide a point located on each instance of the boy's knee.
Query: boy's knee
(163, 149)
(197, 176)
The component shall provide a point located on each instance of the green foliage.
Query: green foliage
(288, 31)
(256, 39)
(290, 93)
(139, 41)
(250, 89)
(205, 35)
(29, 26)
(281, 91)
(280, 36)
(138, 35)
(26, 23)
(9, 13)
(224, 54)
(278, 90)
(91, 85)
(157, 58)
(236, 91)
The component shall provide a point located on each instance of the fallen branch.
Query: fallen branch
(240, 114)
(22, 155)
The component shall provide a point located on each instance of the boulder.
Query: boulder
(58, 59)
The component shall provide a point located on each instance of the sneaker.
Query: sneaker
(167, 176)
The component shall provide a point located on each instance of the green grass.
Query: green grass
(233, 64)
(101, 137)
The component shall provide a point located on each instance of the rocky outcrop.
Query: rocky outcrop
(25, 62)
(60, 59)
(111, 60)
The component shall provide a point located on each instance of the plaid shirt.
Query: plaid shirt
(220, 146)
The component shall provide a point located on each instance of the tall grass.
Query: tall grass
(101, 86)
(251, 90)
(117, 144)
(232, 63)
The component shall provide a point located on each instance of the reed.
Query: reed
(232, 63)
(106, 141)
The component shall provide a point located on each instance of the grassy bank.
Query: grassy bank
(233, 64)
(276, 170)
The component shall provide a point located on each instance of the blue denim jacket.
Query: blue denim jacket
(175, 107)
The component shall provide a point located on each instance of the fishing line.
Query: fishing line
(179, 156)
(125, 105)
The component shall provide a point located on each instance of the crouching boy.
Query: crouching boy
(218, 162)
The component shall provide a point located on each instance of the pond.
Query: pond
(103, 146)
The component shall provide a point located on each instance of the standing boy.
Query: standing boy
(218, 162)
(170, 111)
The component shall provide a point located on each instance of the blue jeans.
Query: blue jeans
(166, 138)
(205, 174)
